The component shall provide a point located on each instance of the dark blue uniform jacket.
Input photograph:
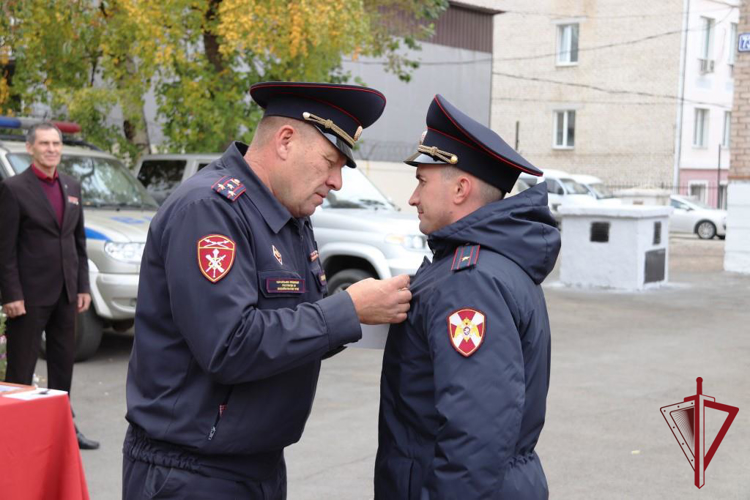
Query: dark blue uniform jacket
(456, 426)
(223, 374)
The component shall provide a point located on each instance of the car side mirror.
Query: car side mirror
(560, 190)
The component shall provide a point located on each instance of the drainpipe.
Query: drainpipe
(681, 104)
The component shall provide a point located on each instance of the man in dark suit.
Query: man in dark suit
(44, 278)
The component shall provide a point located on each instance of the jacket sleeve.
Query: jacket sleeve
(479, 397)
(231, 339)
(83, 259)
(10, 280)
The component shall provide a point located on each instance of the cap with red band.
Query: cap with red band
(339, 112)
(453, 138)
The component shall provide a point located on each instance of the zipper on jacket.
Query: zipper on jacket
(218, 414)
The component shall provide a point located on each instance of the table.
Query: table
(39, 455)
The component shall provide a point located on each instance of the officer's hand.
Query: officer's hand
(381, 301)
(84, 300)
(14, 309)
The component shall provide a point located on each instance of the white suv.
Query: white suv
(360, 233)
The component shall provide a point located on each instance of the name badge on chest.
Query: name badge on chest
(285, 285)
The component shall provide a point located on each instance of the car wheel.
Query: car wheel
(706, 230)
(89, 329)
(343, 279)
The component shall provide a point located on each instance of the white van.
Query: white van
(117, 213)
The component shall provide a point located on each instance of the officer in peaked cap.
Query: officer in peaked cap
(233, 318)
(465, 377)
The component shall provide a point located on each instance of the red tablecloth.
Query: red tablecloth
(39, 456)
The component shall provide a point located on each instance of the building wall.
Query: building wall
(462, 76)
(737, 256)
(623, 88)
(712, 91)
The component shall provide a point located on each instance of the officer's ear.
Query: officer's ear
(283, 140)
(462, 189)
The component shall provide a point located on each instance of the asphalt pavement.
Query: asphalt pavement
(617, 358)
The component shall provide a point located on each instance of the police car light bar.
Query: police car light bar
(25, 123)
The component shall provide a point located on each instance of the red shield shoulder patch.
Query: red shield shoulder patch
(466, 329)
(215, 256)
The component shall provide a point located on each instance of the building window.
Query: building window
(698, 190)
(567, 44)
(723, 196)
(727, 129)
(700, 131)
(732, 43)
(707, 38)
(565, 129)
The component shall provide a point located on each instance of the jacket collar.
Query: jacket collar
(43, 176)
(273, 212)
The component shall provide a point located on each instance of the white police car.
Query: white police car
(117, 213)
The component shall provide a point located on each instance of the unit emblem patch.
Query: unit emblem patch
(215, 256)
(466, 329)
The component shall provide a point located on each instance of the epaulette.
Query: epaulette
(229, 187)
(465, 257)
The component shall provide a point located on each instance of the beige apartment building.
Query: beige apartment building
(638, 93)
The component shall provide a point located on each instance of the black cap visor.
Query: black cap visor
(418, 159)
(342, 146)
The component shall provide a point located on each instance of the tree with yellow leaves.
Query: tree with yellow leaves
(92, 61)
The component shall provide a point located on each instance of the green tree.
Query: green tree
(88, 60)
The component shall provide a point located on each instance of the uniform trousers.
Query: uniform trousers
(142, 480)
(24, 339)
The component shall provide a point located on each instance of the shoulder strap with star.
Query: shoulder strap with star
(466, 256)
(229, 187)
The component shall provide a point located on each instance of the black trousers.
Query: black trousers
(24, 335)
(141, 480)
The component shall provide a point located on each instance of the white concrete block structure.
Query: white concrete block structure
(624, 247)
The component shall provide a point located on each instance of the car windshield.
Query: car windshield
(697, 204)
(601, 191)
(357, 192)
(161, 177)
(105, 182)
(572, 187)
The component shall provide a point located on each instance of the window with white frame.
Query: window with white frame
(700, 128)
(567, 44)
(565, 129)
(727, 129)
(707, 38)
(732, 43)
(698, 190)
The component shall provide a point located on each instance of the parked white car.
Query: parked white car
(596, 188)
(693, 216)
(562, 189)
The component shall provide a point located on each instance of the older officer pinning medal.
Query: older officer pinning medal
(232, 322)
(465, 378)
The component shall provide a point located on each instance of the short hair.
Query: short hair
(487, 192)
(270, 124)
(31, 133)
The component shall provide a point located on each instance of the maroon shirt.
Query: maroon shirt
(53, 190)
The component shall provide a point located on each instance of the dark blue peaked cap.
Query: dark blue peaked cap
(453, 138)
(340, 112)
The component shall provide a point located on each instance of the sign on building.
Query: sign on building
(744, 42)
